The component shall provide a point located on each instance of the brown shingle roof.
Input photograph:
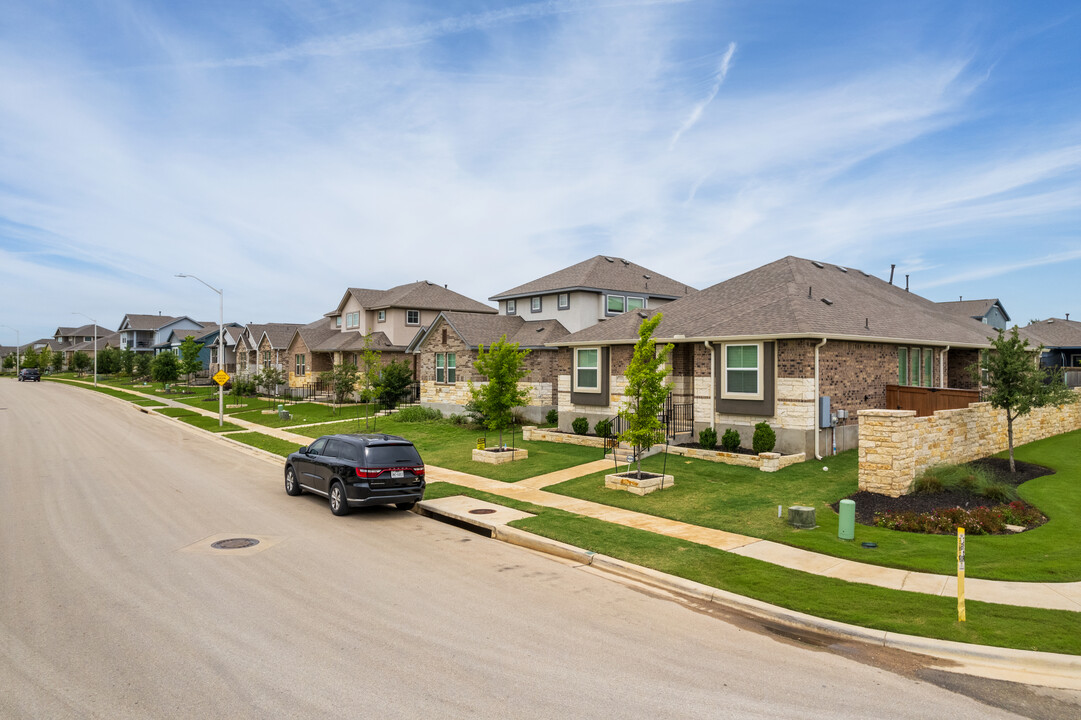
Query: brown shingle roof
(601, 273)
(319, 336)
(1053, 332)
(794, 297)
(477, 329)
(279, 334)
(971, 308)
(147, 322)
(421, 295)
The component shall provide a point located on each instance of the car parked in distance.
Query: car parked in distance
(358, 470)
(29, 375)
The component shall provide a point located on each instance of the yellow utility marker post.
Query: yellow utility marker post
(960, 574)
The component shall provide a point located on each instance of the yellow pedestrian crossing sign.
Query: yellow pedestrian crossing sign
(221, 377)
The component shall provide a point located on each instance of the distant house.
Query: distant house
(209, 352)
(448, 349)
(584, 294)
(989, 311)
(1061, 340)
(262, 346)
(153, 333)
(768, 344)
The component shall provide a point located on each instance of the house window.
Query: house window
(352, 320)
(635, 303)
(564, 301)
(213, 355)
(446, 370)
(915, 366)
(444, 336)
(337, 321)
(617, 304)
(301, 365)
(382, 316)
(742, 371)
(266, 358)
(535, 304)
(412, 317)
(512, 307)
(587, 370)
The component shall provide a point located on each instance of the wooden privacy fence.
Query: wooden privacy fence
(925, 400)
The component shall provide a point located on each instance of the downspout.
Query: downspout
(712, 386)
(942, 367)
(818, 456)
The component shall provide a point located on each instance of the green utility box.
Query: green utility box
(846, 528)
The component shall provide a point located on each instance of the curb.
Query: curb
(1038, 668)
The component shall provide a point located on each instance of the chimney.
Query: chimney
(892, 267)
(960, 298)
(1067, 316)
(906, 282)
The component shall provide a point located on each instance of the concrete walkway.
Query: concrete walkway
(1051, 596)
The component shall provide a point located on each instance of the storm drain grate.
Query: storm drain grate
(482, 511)
(234, 543)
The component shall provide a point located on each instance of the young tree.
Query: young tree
(80, 361)
(502, 364)
(127, 361)
(45, 358)
(109, 361)
(189, 357)
(646, 391)
(30, 357)
(58, 361)
(142, 364)
(371, 366)
(1017, 383)
(342, 380)
(9, 361)
(270, 378)
(396, 377)
(165, 368)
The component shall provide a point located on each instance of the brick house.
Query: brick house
(765, 345)
(68, 340)
(263, 345)
(447, 350)
(317, 347)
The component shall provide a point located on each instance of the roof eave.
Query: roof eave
(780, 336)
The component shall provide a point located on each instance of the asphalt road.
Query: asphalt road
(114, 606)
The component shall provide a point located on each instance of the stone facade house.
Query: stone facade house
(989, 312)
(594, 290)
(317, 347)
(263, 345)
(69, 340)
(447, 350)
(767, 344)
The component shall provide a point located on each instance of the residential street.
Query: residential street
(113, 604)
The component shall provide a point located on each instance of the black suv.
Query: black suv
(29, 374)
(357, 470)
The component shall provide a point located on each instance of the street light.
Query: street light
(16, 348)
(74, 312)
(221, 344)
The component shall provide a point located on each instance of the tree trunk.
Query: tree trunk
(1009, 436)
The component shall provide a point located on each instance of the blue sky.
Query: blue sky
(288, 150)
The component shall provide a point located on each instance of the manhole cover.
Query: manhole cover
(482, 511)
(234, 543)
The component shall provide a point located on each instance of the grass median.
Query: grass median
(107, 390)
(266, 442)
(205, 422)
(864, 605)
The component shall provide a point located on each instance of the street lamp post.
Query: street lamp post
(221, 344)
(16, 348)
(95, 343)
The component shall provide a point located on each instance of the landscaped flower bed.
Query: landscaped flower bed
(975, 521)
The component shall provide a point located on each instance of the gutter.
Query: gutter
(712, 385)
(817, 419)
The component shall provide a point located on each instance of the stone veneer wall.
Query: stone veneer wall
(895, 445)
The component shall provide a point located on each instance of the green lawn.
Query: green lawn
(307, 412)
(745, 501)
(864, 605)
(451, 446)
(266, 442)
(106, 390)
(200, 421)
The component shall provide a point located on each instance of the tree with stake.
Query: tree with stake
(127, 361)
(646, 391)
(189, 357)
(502, 364)
(393, 382)
(45, 358)
(30, 357)
(164, 368)
(343, 381)
(142, 364)
(1017, 383)
(371, 363)
(80, 361)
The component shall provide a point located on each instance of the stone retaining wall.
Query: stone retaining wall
(895, 445)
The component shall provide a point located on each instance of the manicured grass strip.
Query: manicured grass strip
(854, 603)
(147, 403)
(451, 446)
(266, 442)
(175, 412)
(200, 421)
(745, 501)
(103, 389)
(210, 401)
(304, 413)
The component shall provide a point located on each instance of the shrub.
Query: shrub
(999, 492)
(764, 438)
(416, 413)
(603, 428)
(707, 438)
(457, 419)
(730, 440)
(977, 521)
(580, 425)
(552, 417)
(928, 484)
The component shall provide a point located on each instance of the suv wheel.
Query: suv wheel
(338, 504)
(292, 487)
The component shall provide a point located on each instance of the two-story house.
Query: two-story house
(989, 311)
(144, 333)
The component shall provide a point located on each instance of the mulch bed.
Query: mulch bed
(869, 503)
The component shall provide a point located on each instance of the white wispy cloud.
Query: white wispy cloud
(696, 112)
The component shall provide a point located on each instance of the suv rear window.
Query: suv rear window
(392, 456)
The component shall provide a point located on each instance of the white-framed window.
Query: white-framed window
(564, 301)
(381, 316)
(337, 321)
(301, 365)
(446, 370)
(616, 304)
(412, 317)
(535, 304)
(587, 370)
(635, 303)
(741, 371)
(266, 358)
(213, 355)
(512, 307)
(915, 366)
(352, 320)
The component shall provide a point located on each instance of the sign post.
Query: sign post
(960, 574)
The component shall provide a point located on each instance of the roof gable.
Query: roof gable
(602, 273)
(422, 295)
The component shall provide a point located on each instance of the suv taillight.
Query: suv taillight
(369, 474)
(419, 471)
